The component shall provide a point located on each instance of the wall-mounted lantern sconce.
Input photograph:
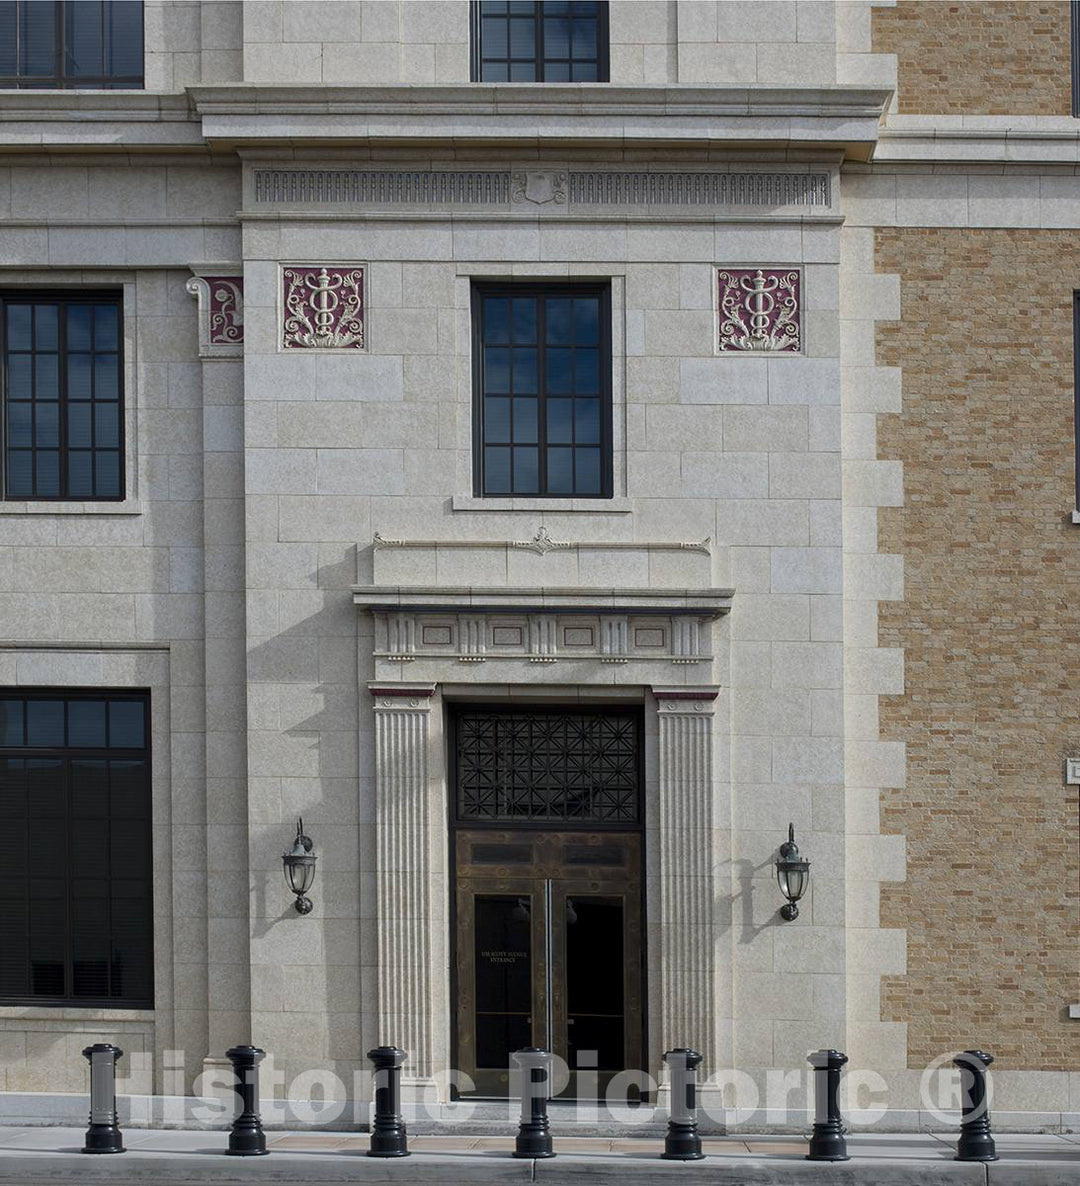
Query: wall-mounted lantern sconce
(793, 875)
(299, 863)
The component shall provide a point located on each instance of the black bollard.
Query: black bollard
(103, 1135)
(827, 1141)
(534, 1134)
(246, 1138)
(682, 1142)
(388, 1135)
(976, 1141)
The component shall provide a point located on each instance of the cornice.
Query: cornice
(979, 139)
(710, 603)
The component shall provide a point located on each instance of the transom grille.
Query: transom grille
(571, 766)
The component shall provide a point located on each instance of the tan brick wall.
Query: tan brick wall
(991, 630)
(978, 57)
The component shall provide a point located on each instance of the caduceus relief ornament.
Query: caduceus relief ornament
(760, 310)
(324, 308)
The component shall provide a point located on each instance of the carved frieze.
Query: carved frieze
(760, 310)
(323, 307)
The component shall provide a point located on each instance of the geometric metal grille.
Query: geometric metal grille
(534, 766)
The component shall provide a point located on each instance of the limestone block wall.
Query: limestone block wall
(978, 57)
(189, 42)
(988, 627)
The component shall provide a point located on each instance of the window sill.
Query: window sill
(72, 1013)
(129, 506)
(620, 505)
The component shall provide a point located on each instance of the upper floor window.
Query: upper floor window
(542, 361)
(62, 395)
(76, 864)
(546, 41)
(71, 43)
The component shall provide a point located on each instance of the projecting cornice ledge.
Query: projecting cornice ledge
(704, 603)
(838, 118)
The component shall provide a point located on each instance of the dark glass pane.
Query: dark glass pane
(18, 327)
(86, 723)
(124, 38)
(525, 370)
(47, 483)
(106, 376)
(559, 362)
(560, 468)
(90, 791)
(130, 854)
(587, 421)
(525, 421)
(496, 320)
(45, 722)
(497, 470)
(45, 327)
(13, 937)
(20, 376)
(523, 38)
(580, 8)
(39, 38)
(494, 72)
(46, 376)
(556, 71)
(558, 321)
(11, 722)
(595, 995)
(78, 327)
(587, 471)
(523, 71)
(585, 38)
(48, 935)
(126, 724)
(19, 430)
(586, 321)
(521, 7)
(526, 471)
(79, 426)
(556, 7)
(78, 376)
(80, 469)
(496, 368)
(20, 474)
(89, 844)
(524, 314)
(492, 7)
(83, 42)
(107, 425)
(556, 37)
(46, 426)
(89, 940)
(105, 327)
(130, 790)
(503, 971)
(587, 371)
(107, 475)
(584, 72)
(7, 40)
(497, 420)
(494, 37)
(560, 421)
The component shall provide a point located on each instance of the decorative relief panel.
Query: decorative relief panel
(221, 314)
(538, 188)
(323, 307)
(760, 309)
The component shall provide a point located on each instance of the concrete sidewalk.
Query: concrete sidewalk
(34, 1156)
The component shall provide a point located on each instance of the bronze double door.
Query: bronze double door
(549, 953)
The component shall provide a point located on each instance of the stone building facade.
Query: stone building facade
(537, 486)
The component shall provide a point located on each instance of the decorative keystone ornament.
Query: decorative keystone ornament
(324, 308)
(827, 1141)
(760, 310)
(534, 1133)
(976, 1140)
(388, 1134)
(682, 1142)
(103, 1135)
(792, 875)
(299, 866)
(246, 1138)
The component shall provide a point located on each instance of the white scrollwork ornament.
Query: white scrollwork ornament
(324, 308)
(759, 310)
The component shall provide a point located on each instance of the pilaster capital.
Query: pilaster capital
(685, 701)
(395, 697)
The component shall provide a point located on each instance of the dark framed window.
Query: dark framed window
(542, 378)
(547, 41)
(76, 903)
(62, 387)
(71, 43)
(540, 766)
